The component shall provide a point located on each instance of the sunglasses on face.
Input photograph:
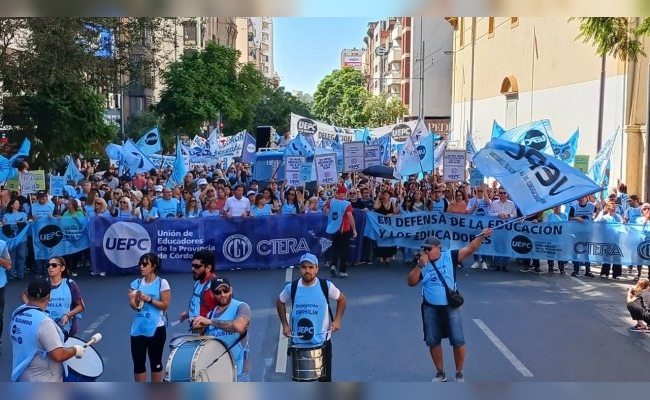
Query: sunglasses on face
(53, 265)
(197, 266)
(503, 193)
(225, 290)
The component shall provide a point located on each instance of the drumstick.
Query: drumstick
(175, 323)
(94, 339)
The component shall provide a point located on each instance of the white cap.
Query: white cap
(159, 188)
(250, 192)
(202, 181)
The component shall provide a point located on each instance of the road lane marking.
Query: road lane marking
(519, 366)
(91, 329)
(283, 342)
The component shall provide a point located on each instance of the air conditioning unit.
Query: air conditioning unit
(113, 101)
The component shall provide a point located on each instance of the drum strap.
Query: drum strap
(239, 339)
(324, 288)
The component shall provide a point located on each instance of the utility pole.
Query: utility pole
(647, 142)
(471, 90)
(422, 82)
(601, 102)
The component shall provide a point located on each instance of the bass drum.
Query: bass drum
(193, 360)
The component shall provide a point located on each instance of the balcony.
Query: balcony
(396, 33)
(394, 54)
(393, 77)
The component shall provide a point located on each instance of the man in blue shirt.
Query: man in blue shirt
(440, 320)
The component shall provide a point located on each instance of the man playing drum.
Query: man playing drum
(228, 322)
(201, 301)
(312, 324)
(37, 341)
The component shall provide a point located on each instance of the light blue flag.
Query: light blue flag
(337, 148)
(534, 134)
(135, 161)
(15, 234)
(566, 151)
(74, 236)
(213, 141)
(179, 171)
(299, 146)
(250, 149)
(384, 142)
(535, 181)
(497, 130)
(72, 173)
(599, 168)
(150, 142)
(470, 148)
(7, 170)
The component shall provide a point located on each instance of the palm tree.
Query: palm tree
(615, 36)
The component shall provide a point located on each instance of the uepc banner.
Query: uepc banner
(238, 243)
(564, 241)
(59, 236)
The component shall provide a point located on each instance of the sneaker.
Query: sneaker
(537, 270)
(333, 270)
(343, 275)
(94, 273)
(483, 265)
(574, 274)
(74, 274)
(440, 377)
(525, 269)
(590, 275)
(102, 273)
(460, 377)
(475, 265)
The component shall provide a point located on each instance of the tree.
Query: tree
(143, 122)
(614, 36)
(381, 110)
(340, 97)
(276, 106)
(200, 86)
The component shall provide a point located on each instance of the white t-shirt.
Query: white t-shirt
(45, 369)
(237, 207)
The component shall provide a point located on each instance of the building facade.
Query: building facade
(517, 70)
(353, 58)
(264, 43)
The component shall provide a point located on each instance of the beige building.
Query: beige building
(353, 58)
(246, 41)
(517, 70)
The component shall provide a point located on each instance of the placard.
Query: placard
(372, 155)
(326, 172)
(476, 177)
(581, 163)
(56, 185)
(453, 167)
(353, 157)
(292, 165)
(28, 183)
(305, 172)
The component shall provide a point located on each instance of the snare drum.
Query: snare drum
(85, 369)
(307, 362)
(192, 361)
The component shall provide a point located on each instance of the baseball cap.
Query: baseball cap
(41, 193)
(432, 241)
(342, 189)
(202, 181)
(39, 288)
(159, 188)
(218, 281)
(308, 257)
(250, 192)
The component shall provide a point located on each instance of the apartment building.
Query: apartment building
(518, 70)
(264, 44)
(353, 58)
(396, 65)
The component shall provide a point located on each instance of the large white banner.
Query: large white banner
(353, 157)
(400, 132)
(316, 130)
(326, 172)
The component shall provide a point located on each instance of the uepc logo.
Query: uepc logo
(125, 242)
(401, 132)
(307, 126)
(521, 244)
(237, 248)
(305, 329)
(50, 235)
(535, 139)
(151, 138)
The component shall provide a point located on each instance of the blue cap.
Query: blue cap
(308, 257)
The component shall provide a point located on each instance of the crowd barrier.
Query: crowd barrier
(278, 241)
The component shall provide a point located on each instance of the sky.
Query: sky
(308, 49)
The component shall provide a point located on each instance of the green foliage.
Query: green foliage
(614, 36)
(340, 97)
(143, 122)
(200, 86)
(381, 110)
(275, 109)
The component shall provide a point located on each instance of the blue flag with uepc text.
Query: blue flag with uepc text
(534, 181)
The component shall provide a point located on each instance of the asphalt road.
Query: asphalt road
(519, 327)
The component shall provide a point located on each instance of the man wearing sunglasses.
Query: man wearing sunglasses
(438, 318)
(201, 302)
(228, 321)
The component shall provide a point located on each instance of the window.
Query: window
(136, 104)
(189, 33)
(490, 27)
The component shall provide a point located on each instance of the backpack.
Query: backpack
(324, 288)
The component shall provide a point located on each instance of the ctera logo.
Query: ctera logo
(643, 250)
(50, 235)
(306, 127)
(521, 244)
(13, 230)
(535, 139)
(305, 329)
(237, 248)
(125, 242)
(401, 132)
